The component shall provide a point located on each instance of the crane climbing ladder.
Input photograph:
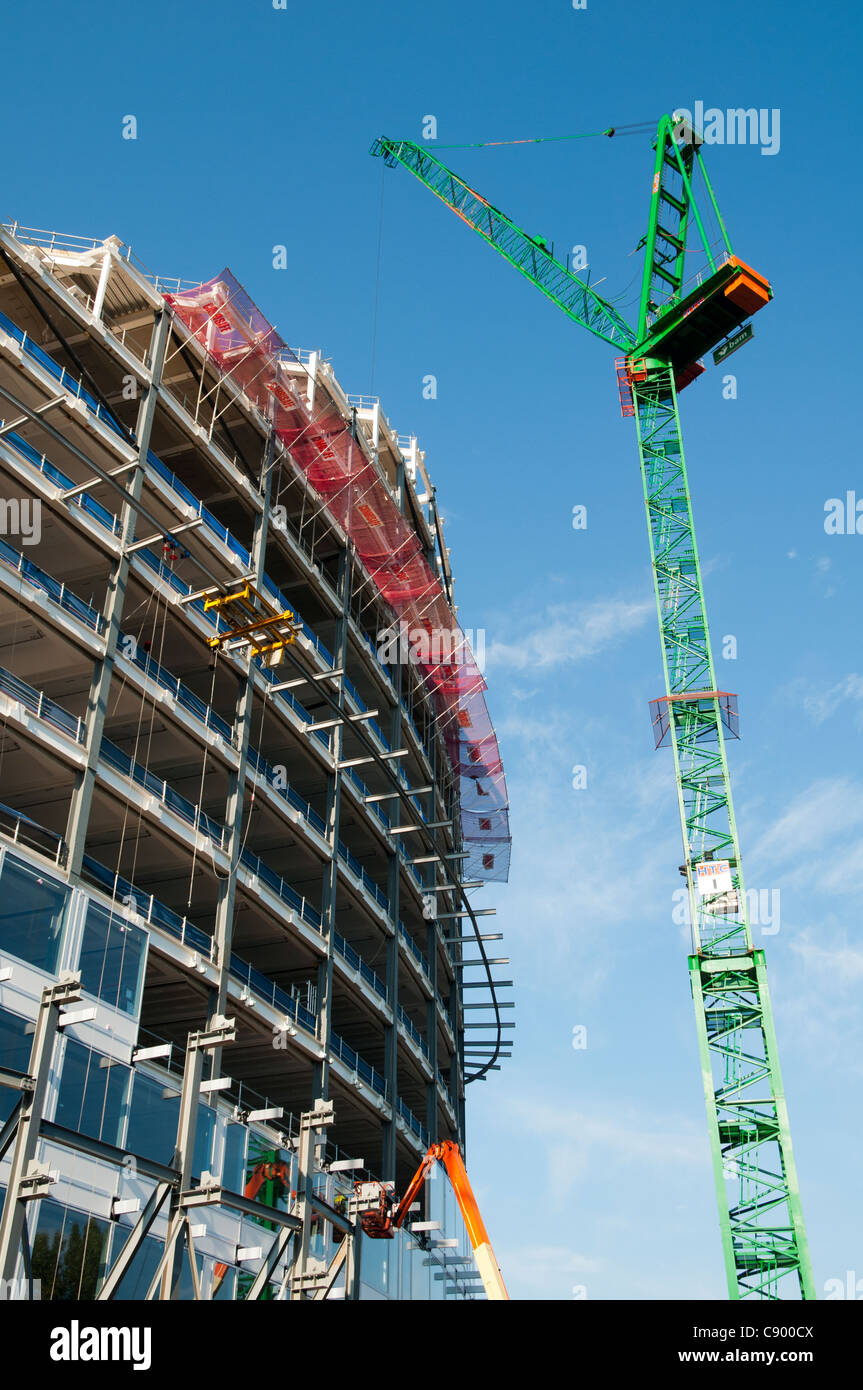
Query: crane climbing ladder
(763, 1235)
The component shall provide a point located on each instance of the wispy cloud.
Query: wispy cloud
(565, 633)
(579, 1143)
(545, 1270)
(821, 704)
(826, 815)
(580, 868)
(840, 963)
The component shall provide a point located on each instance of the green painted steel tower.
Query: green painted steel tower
(761, 1220)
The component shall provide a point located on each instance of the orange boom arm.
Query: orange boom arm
(381, 1223)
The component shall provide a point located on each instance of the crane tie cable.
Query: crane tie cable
(636, 128)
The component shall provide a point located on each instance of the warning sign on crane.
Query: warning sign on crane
(713, 876)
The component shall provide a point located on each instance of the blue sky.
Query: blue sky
(253, 130)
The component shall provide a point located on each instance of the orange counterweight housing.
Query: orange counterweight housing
(748, 290)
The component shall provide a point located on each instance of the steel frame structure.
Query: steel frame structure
(157, 330)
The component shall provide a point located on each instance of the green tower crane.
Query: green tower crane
(763, 1236)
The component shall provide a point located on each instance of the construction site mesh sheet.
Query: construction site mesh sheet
(245, 348)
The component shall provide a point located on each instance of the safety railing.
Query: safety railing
(83, 500)
(192, 815)
(364, 1070)
(266, 989)
(443, 1078)
(213, 526)
(39, 704)
(133, 651)
(412, 1031)
(14, 560)
(414, 949)
(50, 240)
(411, 868)
(286, 791)
(411, 1121)
(355, 960)
(350, 860)
(270, 676)
(303, 355)
(283, 890)
(22, 830)
(362, 708)
(61, 375)
(373, 806)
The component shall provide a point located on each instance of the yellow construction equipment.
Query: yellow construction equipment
(253, 619)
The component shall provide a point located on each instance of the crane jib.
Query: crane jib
(528, 254)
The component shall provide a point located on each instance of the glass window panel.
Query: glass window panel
(92, 1093)
(234, 1166)
(405, 1266)
(205, 1133)
(113, 955)
(420, 1273)
(16, 1041)
(68, 1252)
(227, 1289)
(32, 909)
(138, 1277)
(153, 1117)
(374, 1264)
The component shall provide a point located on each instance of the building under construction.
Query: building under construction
(247, 776)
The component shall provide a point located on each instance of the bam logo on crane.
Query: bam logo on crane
(432, 646)
(736, 126)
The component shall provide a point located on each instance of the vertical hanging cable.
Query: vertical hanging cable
(377, 283)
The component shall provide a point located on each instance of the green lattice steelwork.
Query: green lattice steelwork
(674, 212)
(763, 1236)
(528, 254)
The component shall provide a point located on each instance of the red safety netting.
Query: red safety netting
(248, 350)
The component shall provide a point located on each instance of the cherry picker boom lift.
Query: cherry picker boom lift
(380, 1220)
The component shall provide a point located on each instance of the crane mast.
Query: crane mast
(763, 1235)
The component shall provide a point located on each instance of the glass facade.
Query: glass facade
(153, 1117)
(112, 959)
(32, 913)
(68, 1252)
(92, 1093)
(16, 1040)
(234, 1162)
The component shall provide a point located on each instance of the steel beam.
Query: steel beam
(13, 1234)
